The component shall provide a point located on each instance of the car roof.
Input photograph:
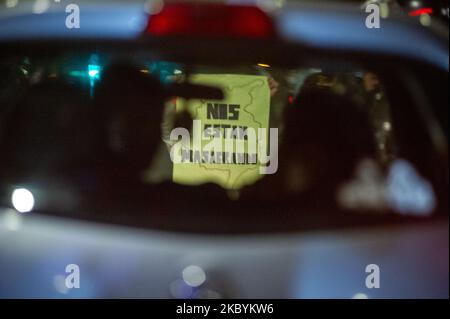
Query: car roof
(335, 27)
(343, 28)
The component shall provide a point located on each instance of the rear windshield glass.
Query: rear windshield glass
(133, 138)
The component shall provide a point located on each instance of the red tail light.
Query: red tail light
(421, 11)
(211, 19)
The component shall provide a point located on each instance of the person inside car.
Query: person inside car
(129, 113)
(326, 135)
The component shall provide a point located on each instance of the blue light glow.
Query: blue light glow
(94, 71)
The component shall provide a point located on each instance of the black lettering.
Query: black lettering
(234, 111)
(223, 111)
(212, 111)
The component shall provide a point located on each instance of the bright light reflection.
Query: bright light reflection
(408, 192)
(93, 73)
(360, 295)
(59, 283)
(194, 275)
(22, 200)
(264, 65)
(11, 3)
(11, 220)
(425, 20)
(40, 6)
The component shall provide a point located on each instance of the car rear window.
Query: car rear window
(134, 138)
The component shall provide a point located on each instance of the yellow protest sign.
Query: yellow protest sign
(221, 151)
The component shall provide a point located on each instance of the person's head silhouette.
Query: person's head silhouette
(131, 105)
(326, 135)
